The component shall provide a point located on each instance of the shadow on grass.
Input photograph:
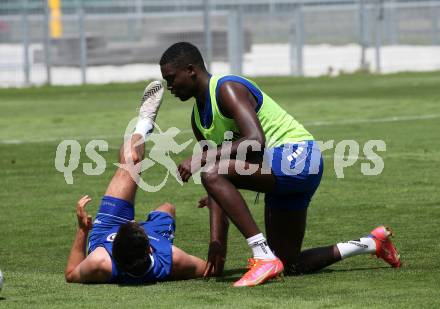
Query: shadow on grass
(136, 285)
(2, 298)
(328, 270)
(232, 275)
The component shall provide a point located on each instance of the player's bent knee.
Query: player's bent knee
(168, 208)
(297, 269)
(210, 177)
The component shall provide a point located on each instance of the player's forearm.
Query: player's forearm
(77, 253)
(219, 240)
(252, 151)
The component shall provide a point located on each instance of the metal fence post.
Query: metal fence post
(207, 32)
(292, 50)
(434, 25)
(368, 36)
(25, 41)
(139, 12)
(82, 42)
(272, 7)
(297, 42)
(47, 47)
(235, 41)
(134, 20)
(240, 37)
(379, 27)
(362, 33)
(391, 23)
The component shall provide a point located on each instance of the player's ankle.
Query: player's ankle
(364, 245)
(260, 248)
(143, 128)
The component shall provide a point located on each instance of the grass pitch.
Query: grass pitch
(37, 210)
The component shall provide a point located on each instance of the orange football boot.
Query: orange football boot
(260, 271)
(385, 249)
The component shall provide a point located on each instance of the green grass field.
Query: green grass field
(37, 219)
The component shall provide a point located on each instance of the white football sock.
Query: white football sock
(355, 247)
(143, 127)
(259, 247)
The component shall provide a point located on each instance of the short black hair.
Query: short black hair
(130, 249)
(181, 54)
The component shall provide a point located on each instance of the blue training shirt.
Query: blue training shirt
(159, 227)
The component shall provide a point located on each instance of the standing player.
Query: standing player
(233, 103)
(120, 249)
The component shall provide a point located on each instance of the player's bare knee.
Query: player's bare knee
(210, 177)
(168, 208)
(171, 208)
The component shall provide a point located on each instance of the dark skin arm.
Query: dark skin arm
(238, 104)
(219, 225)
(81, 269)
(78, 251)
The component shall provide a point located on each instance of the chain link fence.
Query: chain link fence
(101, 41)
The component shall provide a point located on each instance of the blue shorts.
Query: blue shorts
(113, 212)
(298, 169)
(160, 223)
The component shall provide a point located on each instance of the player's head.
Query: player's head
(131, 249)
(181, 64)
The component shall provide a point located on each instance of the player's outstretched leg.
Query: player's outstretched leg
(378, 242)
(117, 206)
(123, 184)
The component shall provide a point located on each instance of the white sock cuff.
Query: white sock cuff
(260, 249)
(143, 127)
(355, 247)
(256, 238)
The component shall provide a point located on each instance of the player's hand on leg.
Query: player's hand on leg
(203, 202)
(84, 220)
(134, 150)
(216, 259)
(184, 169)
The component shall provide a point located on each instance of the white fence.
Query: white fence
(104, 41)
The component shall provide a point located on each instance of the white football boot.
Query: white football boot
(151, 101)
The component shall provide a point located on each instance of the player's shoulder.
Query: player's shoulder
(98, 265)
(227, 84)
(231, 86)
(233, 81)
(100, 258)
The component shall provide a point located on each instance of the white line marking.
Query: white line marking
(57, 139)
(311, 123)
(388, 119)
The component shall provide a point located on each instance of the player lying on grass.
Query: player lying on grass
(121, 250)
(234, 104)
